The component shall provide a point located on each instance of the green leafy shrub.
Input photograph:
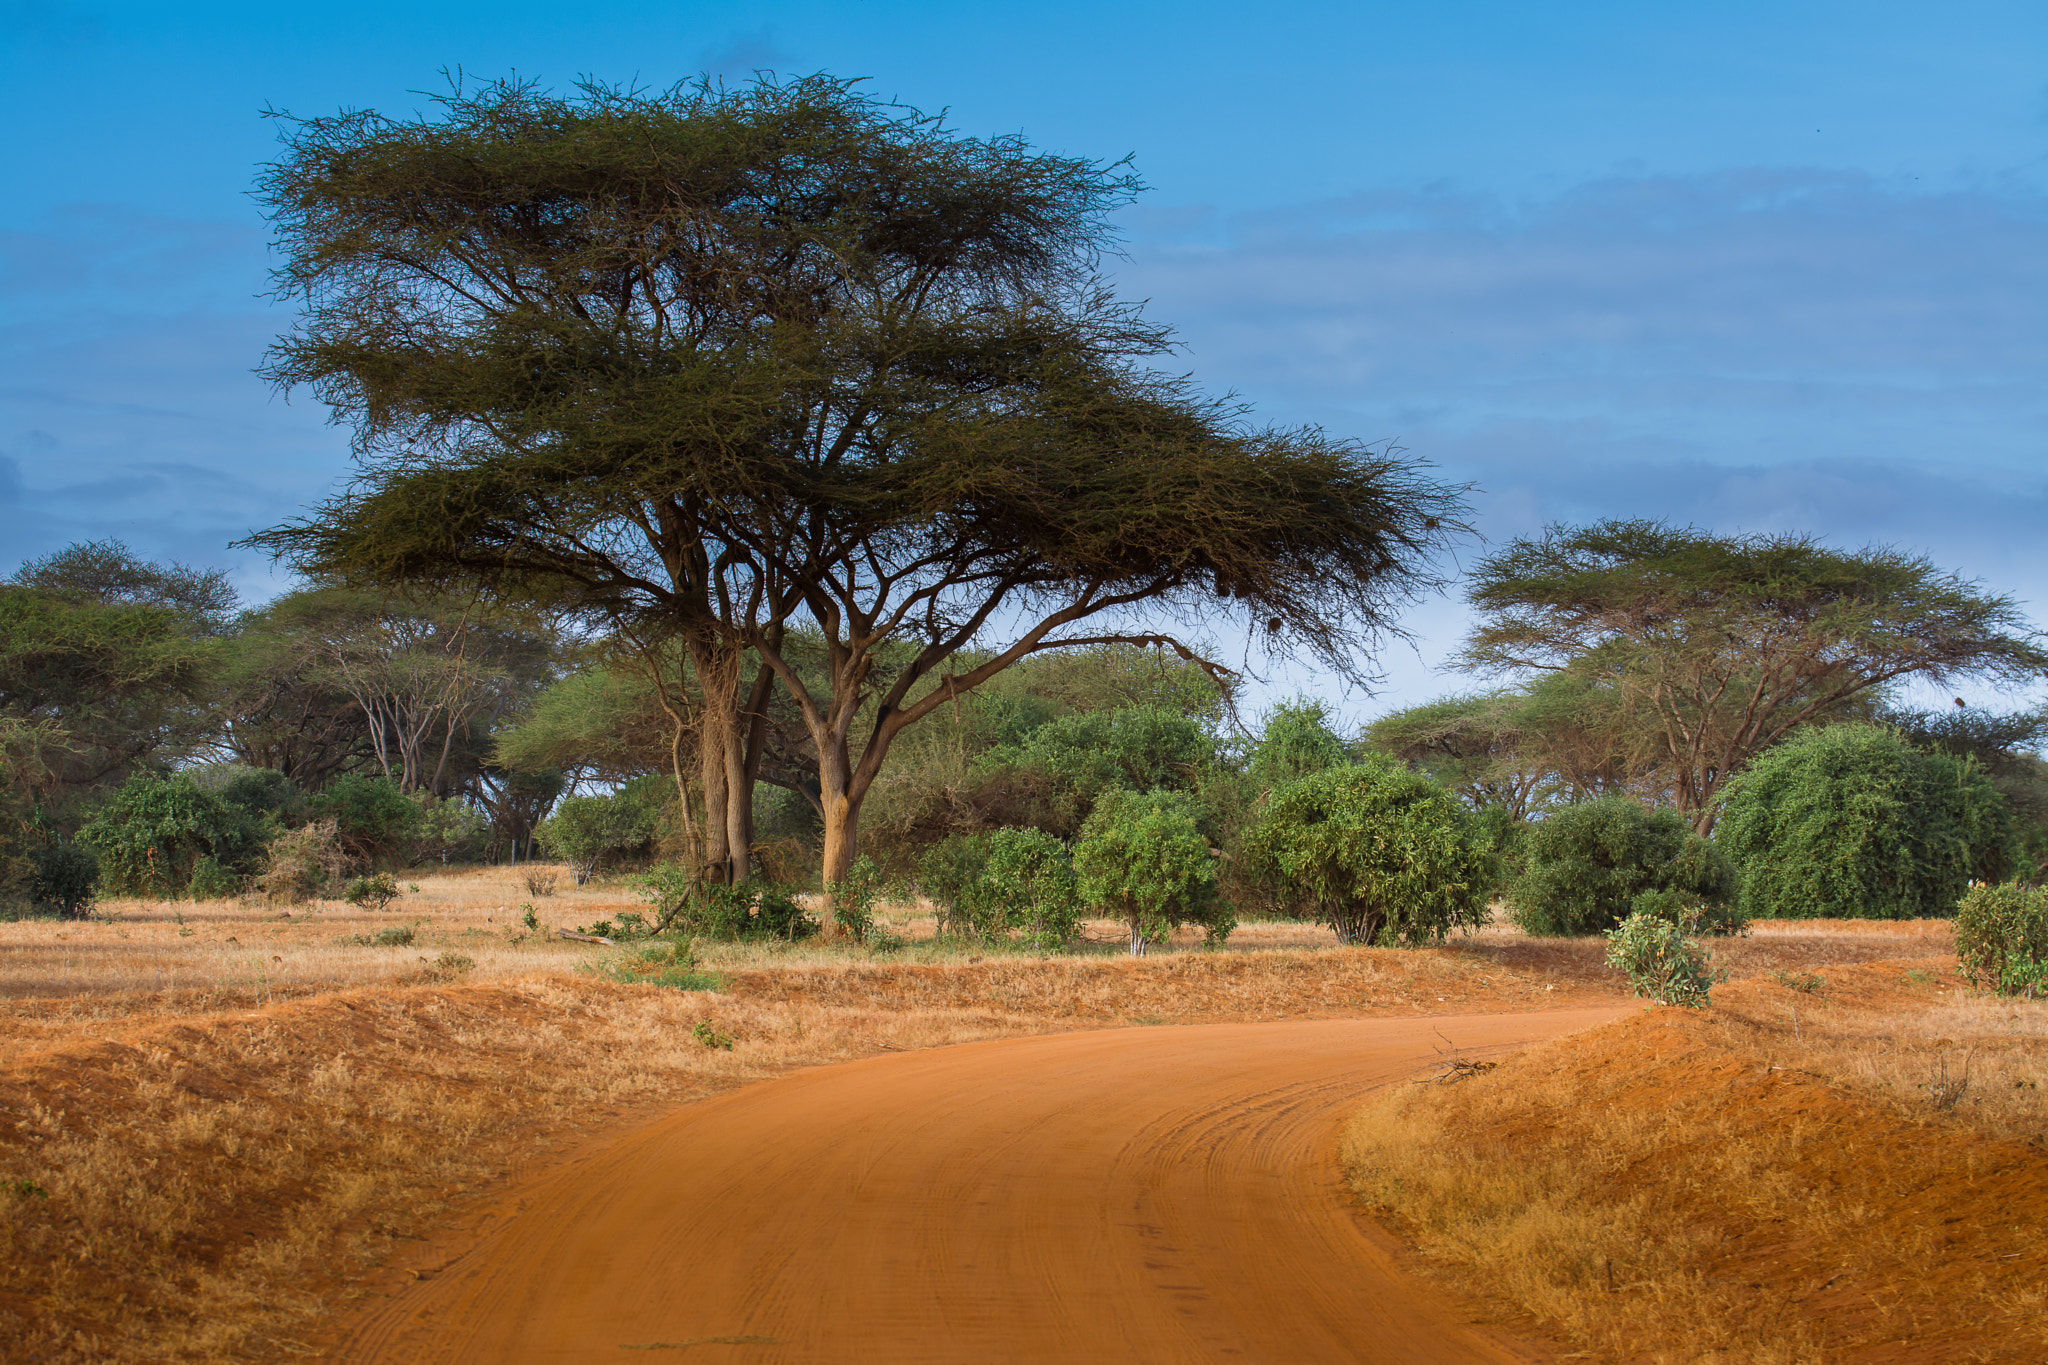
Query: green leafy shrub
(624, 927)
(1142, 858)
(854, 897)
(1661, 960)
(1690, 912)
(1378, 853)
(1851, 822)
(948, 874)
(63, 879)
(585, 830)
(1028, 884)
(373, 819)
(1584, 865)
(2002, 937)
(749, 910)
(152, 835)
(372, 892)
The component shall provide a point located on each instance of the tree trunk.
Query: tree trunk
(1137, 938)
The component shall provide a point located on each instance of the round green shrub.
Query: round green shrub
(1661, 960)
(1378, 853)
(1142, 858)
(63, 878)
(1583, 867)
(1851, 822)
(2002, 937)
(1028, 884)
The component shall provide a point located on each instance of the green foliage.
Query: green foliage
(372, 818)
(624, 927)
(1130, 749)
(710, 1037)
(121, 653)
(1297, 740)
(1028, 884)
(854, 897)
(683, 904)
(672, 966)
(1584, 865)
(585, 830)
(1709, 649)
(2002, 937)
(63, 879)
(948, 873)
(156, 835)
(1689, 911)
(1142, 858)
(1852, 822)
(374, 892)
(1378, 853)
(1662, 961)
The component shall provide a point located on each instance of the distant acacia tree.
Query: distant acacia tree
(696, 361)
(1707, 649)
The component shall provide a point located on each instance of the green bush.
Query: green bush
(1142, 858)
(949, 875)
(2002, 937)
(373, 892)
(749, 910)
(1662, 961)
(157, 835)
(1028, 884)
(1584, 865)
(373, 819)
(854, 898)
(63, 879)
(1851, 822)
(1692, 913)
(583, 831)
(1378, 853)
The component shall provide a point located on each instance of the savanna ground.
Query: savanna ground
(222, 1125)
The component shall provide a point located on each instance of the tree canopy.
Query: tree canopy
(697, 360)
(1705, 650)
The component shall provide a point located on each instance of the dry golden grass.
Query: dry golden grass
(220, 1122)
(1772, 1180)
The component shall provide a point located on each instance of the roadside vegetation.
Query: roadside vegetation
(785, 610)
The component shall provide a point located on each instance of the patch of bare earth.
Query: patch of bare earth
(1837, 1162)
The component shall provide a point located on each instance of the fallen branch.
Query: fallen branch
(585, 938)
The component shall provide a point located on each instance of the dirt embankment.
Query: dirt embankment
(1801, 1174)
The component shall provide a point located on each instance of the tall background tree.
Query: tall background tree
(1704, 650)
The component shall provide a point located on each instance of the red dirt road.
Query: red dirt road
(1159, 1194)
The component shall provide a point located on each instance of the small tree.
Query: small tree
(1142, 858)
(584, 830)
(1852, 822)
(1585, 865)
(1378, 853)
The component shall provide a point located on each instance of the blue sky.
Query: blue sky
(1755, 267)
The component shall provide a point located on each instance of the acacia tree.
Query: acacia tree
(580, 338)
(1713, 648)
(695, 361)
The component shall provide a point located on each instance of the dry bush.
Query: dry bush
(302, 864)
(541, 881)
(1743, 1186)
